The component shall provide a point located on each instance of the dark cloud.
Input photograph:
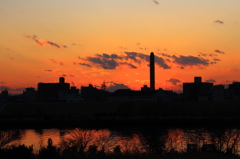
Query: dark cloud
(3, 88)
(104, 62)
(173, 81)
(63, 75)
(218, 51)
(140, 57)
(72, 75)
(53, 61)
(85, 64)
(134, 59)
(218, 21)
(215, 59)
(211, 81)
(190, 60)
(129, 64)
(166, 55)
(61, 63)
(202, 54)
(111, 61)
(47, 70)
(155, 1)
(53, 44)
(43, 42)
(2, 83)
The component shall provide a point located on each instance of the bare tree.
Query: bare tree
(105, 140)
(8, 136)
(226, 140)
(78, 139)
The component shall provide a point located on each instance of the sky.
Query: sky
(92, 41)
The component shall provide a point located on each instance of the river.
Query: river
(132, 139)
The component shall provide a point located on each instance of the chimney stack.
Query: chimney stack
(152, 72)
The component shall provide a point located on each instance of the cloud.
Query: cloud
(140, 57)
(218, 21)
(173, 81)
(53, 61)
(112, 61)
(215, 59)
(218, 51)
(85, 64)
(211, 81)
(130, 65)
(135, 60)
(53, 44)
(190, 60)
(48, 70)
(42, 42)
(72, 75)
(64, 75)
(115, 86)
(182, 60)
(3, 88)
(104, 62)
(61, 63)
(2, 83)
(155, 1)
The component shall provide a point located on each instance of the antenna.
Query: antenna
(103, 85)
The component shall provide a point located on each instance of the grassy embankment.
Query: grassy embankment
(121, 112)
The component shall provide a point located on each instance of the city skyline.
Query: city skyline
(99, 40)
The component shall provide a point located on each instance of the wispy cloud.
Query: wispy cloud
(3, 88)
(47, 70)
(218, 21)
(211, 81)
(155, 1)
(85, 64)
(42, 42)
(53, 61)
(218, 51)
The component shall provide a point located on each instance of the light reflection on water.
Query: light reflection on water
(136, 141)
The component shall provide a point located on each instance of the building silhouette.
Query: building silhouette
(92, 94)
(192, 91)
(49, 92)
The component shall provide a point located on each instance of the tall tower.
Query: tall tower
(152, 71)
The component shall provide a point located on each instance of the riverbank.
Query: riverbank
(118, 122)
(120, 114)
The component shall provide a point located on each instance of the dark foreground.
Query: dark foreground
(48, 115)
(51, 152)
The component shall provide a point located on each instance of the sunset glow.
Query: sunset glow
(89, 42)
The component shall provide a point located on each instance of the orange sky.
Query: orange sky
(101, 40)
